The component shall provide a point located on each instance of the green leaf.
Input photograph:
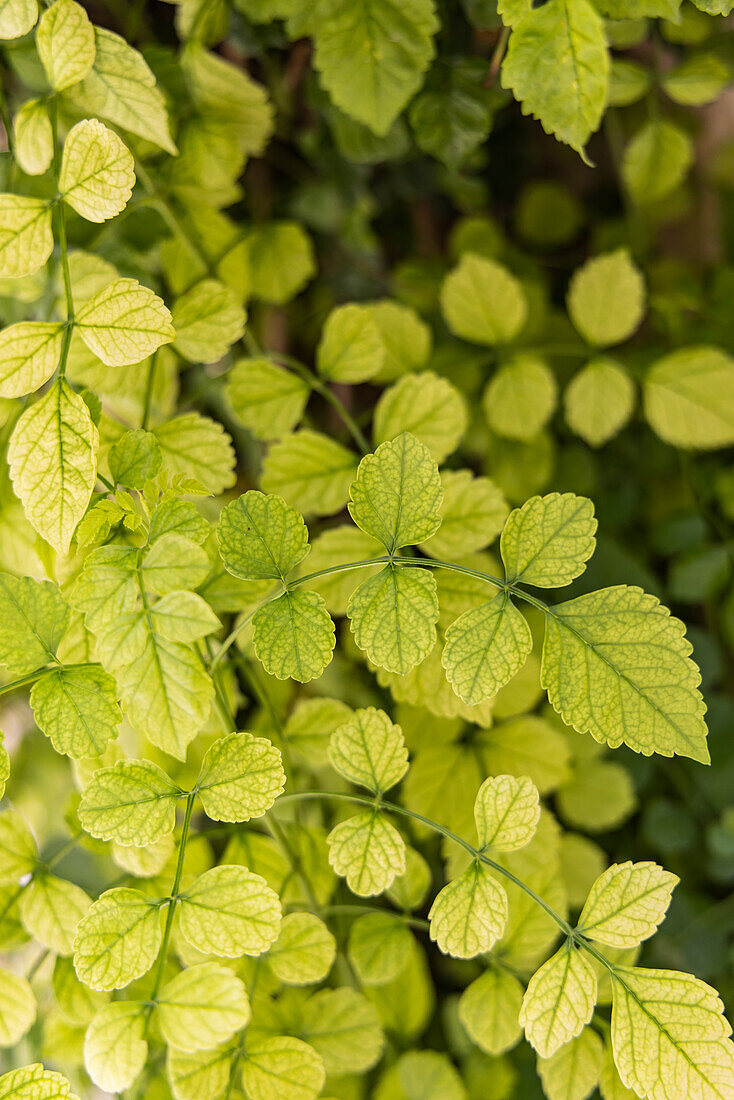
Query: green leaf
(174, 563)
(266, 398)
(241, 776)
(351, 348)
(344, 1028)
(77, 709)
(261, 538)
(34, 617)
(557, 65)
(548, 541)
(17, 1011)
(124, 323)
(427, 406)
(34, 1082)
(397, 493)
(183, 617)
(468, 916)
(294, 636)
(223, 90)
(121, 88)
(18, 853)
(282, 1068)
(304, 951)
(600, 795)
(622, 646)
(165, 691)
(506, 812)
(118, 940)
(483, 302)
(485, 648)
(202, 1007)
(606, 298)
(309, 728)
(393, 617)
(368, 851)
(452, 115)
(689, 398)
(229, 911)
(572, 1073)
(627, 903)
(489, 1009)
(311, 470)
(53, 466)
(97, 170)
(628, 82)
(132, 802)
(195, 446)
(65, 44)
(656, 161)
(17, 17)
(26, 240)
(698, 80)
(379, 947)
(392, 44)
(369, 750)
(208, 319)
(134, 458)
(115, 1050)
(599, 401)
(559, 1001)
(34, 143)
(473, 513)
(202, 1075)
(669, 1035)
(521, 398)
(51, 909)
(280, 259)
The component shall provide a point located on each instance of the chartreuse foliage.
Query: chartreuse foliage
(322, 773)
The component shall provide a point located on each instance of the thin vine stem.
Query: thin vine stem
(63, 248)
(163, 953)
(475, 853)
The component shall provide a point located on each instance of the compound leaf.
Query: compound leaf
(557, 66)
(483, 302)
(52, 456)
(397, 493)
(559, 1001)
(372, 55)
(485, 647)
(369, 750)
(261, 537)
(241, 776)
(669, 1034)
(294, 636)
(282, 1068)
(115, 1050)
(368, 851)
(97, 171)
(29, 355)
(124, 323)
(118, 940)
(621, 645)
(548, 541)
(469, 914)
(132, 802)
(506, 812)
(229, 911)
(627, 903)
(202, 1007)
(77, 709)
(393, 617)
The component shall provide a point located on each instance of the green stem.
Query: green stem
(163, 953)
(23, 681)
(149, 382)
(475, 853)
(328, 394)
(61, 233)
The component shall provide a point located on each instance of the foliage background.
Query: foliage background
(332, 213)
